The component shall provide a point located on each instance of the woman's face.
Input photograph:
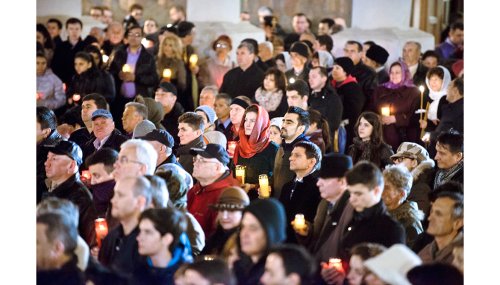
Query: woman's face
(435, 83)
(40, 38)
(221, 47)
(81, 65)
(356, 270)
(250, 120)
(281, 65)
(365, 129)
(396, 74)
(236, 113)
(270, 83)
(275, 135)
(229, 219)
(168, 51)
(41, 65)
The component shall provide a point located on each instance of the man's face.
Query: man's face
(351, 51)
(207, 98)
(40, 134)
(323, 29)
(221, 108)
(316, 80)
(107, 17)
(115, 34)
(149, 240)
(205, 168)
(299, 24)
(130, 119)
(244, 57)
(452, 93)
(150, 27)
(362, 198)
(187, 134)
(236, 113)
(99, 174)
(102, 127)
(331, 188)
(44, 249)
(441, 221)
(456, 36)
(430, 62)
(137, 14)
(411, 54)
(253, 238)
(74, 31)
(294, 99)
(123, 204)
(338, 73)
(58, 166)
(88, 107)
(134, 37)
(127, 164)
(54, 30)
(175, 15)
(290, 128)
(274, 271)
(96, 14)
(445, 158)
(166, 99)
(229, 219)
(299, 160)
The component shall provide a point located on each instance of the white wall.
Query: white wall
(374, 14)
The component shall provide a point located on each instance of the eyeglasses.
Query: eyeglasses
(202, 160)
(221, 45)
(137, 35)
(401, 159)
(124, 160)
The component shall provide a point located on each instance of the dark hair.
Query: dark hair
(167, 220)
(299, 14)
(322, 70)
(366, 173)
(358, 44)
(329, 21)
(48, 39)
(303, 116)
(131, 27)
(430, 53)
(437, 71)
(140, 108)
(88, 58)
(74, 21)
(106, 156)
(377, 136)
(93, 49)
(316, 117)
(252, 48)
(367, 250)
(170, 28)
(436, 273)
(296, 259)
(369, 43)
(453, 139)
(225, 38)
(215, 270)
(159, 191)
(72, 117)
(312, 151)
(457, 25)
(99, 100)
(46, 118)
(60, 227)
(279, 78)
(458, 203)
(135, 7)
(300, 86)
(325, 40)
(194, 120)
(185, 28)
(54, 20)
(459, 84)
(449, 186)
(224, 96)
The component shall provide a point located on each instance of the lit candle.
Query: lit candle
(299, 222)
(126, 68)
(264, 186)
(167, 74)
(386, 111)
(105, 58)
(101, 230)
(421, 88)
(240, 173)
(231, 146)
(76, 97)
(336, 263)
(291, 80)
(193, 59)
(86, 176)
(144, 42)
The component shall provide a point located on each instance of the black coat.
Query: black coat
(68, 274)
(63, 64)
(419, 77)
(216, 242)
(353, 100)
(367, 78)
(300, 198)
(248, 273)
(329, 104)
(81, 137)
(237, 82)
(170, 122)
(372, 225)
(93, 81)
(185, 157)
(73, 189)
(41, 157)
(114, 141)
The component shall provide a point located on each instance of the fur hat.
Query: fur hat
(346, 64)
(377, 54)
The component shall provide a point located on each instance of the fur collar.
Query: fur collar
(421, 168)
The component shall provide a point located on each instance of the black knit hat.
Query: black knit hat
(271, 215)
(377, 54)
(300, 48)
(334, 165)
(346, 64)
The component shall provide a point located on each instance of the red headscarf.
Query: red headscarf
(258, 139)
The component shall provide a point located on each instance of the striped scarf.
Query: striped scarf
(443, 176)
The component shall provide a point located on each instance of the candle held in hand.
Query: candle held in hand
(299, 222)
(193, 59)
(126, 68)
(385, 111)
(264, 186)
(167, 74)
(240, 173)
(101, 230)
(336, 263)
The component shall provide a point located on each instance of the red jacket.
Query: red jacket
(199, 198)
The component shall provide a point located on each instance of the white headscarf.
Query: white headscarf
(436, 96)
(288, 60)
(325, 59)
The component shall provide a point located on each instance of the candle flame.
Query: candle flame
(421, 88)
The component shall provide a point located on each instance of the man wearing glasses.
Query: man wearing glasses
(134, 71)
(136, 158)
(213, 175)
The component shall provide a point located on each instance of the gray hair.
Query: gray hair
(59, 206)
(144, 152)
(399, 177)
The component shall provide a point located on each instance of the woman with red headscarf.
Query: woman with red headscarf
(396, 101)
(255, 150)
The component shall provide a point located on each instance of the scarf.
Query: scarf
(258, 139)
(365, 147)
(406, 79)
(443, 175)
(337, 84)
(436, 95)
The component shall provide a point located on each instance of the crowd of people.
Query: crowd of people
(157, 164)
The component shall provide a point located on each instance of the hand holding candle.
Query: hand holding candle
(264, 191)
(240, 173)
(101, 230)
(126, 68)
(193, 59)
(167, 74)
(336, 263)
(300, 222)
(385, 111)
